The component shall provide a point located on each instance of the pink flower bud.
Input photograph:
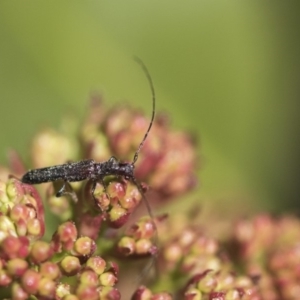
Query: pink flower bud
(64, 237)
(5, 279)
(50, 270)
(18, 293)
(40, 252)
(30, 281)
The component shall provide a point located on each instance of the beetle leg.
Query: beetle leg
(66, 189)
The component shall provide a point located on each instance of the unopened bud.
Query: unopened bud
(30, 281)
(50, 270)
(108, 279)
(46, 288)
(84, 246)
(70, 265)
(126, 246)
(40, 252)
(97, 264)
(89, 277)
(16, 267)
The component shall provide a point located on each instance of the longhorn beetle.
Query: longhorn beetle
(95, 171)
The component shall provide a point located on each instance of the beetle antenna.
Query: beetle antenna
(140, 62)
(155, 238)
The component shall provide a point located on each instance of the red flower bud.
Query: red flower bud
(30, 281)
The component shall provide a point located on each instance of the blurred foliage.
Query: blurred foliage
(226, 71)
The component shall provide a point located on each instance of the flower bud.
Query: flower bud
(50, 270)
(5, 279)
(16, 267)
(116, 190)
(62, 290)
(118, 216)
(46, 288)
(84, 246)
(18, 293)
(100, 197)
(108, 279)
(89, 277)
(70, 265)
(89, 292)
(132, 197)
(126, 246)
(64, 237)
(97, 264)
(7, 228)
(13, 247)
(109, 293)
(144, 246)
(19, 211)
(142, 293)
(30, 281)
(14, 190)
(143, 229)
(40, 252)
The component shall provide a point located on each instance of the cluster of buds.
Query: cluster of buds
(138, 240)
(261, 261)
(196, 266)
(221, 285)
(167, 162)
(269, 249)
(21, 211)
(117, 201)
(32, 267)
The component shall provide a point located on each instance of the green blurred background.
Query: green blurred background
(228, 71)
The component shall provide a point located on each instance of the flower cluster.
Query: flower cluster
(167, 162)
(269, 249)
(79, 260)
(33, 267)
(79, 251)
(138, 240)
